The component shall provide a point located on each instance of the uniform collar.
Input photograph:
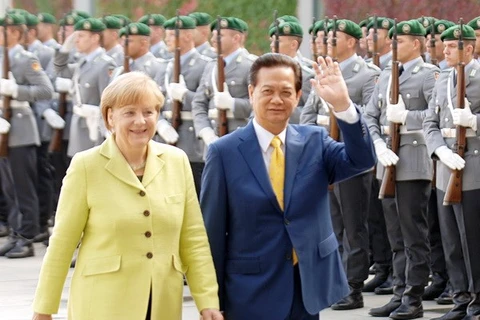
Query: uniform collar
(345, 63)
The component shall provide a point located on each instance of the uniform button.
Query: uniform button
(286, 222)
(142, 193)
(408, 95)
(415, 142)
(288, 256)
(446, 119)
(149, 255)
(146, 213)
(190, 129)
(475, 152)
(148, 234)
(19, 115)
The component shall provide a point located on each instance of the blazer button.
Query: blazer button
(148, 234)
(286, 221)
(149, 255)
(146, 213)
(288, 256)
(142, 193)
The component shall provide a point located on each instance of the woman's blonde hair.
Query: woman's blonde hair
(129, 89)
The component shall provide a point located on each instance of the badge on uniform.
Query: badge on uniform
(356, 68)
(437, 109)
(472, 73)
(436, 75)
(36, 66)
(192, 62)
(416, 69)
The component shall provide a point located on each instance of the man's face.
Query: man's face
(382, 39)
(450, 50)
(319, 42)
(274, 97)
(408, 48)
(85, 41)
(438, 53)
(230, 40)
(342, 44)
(286, 45)
(477, 42)
(110, 37)
(137, 45)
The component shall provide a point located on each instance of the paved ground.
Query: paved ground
(18, 279)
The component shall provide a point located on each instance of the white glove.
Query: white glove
(4, 126)
(9, 87)
(223, 100)
(92, 116)
(384, 155)
(63, 84)
(450, 158)
(208, 135)
(69, 43)
(166, 131)
(397, 113)
(464, 117)
(53, 119)
(178, 90)
(323, 120)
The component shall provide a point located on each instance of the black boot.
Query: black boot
(4, 230)
(354, 300)
(447, 295)
(23, 249)
(386, 287)
(459, 311)
(435, 289)
(473, 309)
(8, 246)
(393, 304)
(381, 274)
(42, 236)
(411, 307)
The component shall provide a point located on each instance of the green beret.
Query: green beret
(201, 18)
(31, 20)
(287, 18)
(90, 24)
(122, 32)
(243, 24)
(427, 21)
(319, 26)
(231, 23)
(475, 23)
(382, 23)
(69, 20)
(184, 22)
(287, 29)
(13, 19)
(138, 29)
(19, 11)
(112, 22)
(347, 26)
(124, 19)
(153, 20)
(45, 17)
(365, 22)
(409, 28)
(440, 26)
(453, 33)
(81, 14)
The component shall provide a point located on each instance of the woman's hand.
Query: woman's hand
(210, 314)
(38, 316)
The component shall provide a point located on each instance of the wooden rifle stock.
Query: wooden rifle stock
(325, 38)
(222, 114)
(314, 38)
(387, 188)
(126, 57)
(276, 46)
(453, 194)
(7, 111)
(334, 130)
(176, 105)
(375, 55)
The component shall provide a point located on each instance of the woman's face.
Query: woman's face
(133, 125)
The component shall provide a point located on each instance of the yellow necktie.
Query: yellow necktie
(277, 176)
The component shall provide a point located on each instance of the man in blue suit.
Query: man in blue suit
(275, 253)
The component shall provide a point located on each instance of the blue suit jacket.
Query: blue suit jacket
(251, 238)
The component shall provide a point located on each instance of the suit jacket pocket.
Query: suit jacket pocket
(243, 266)
(177, 264)
(102, 265)
(176, 198)
(328, 245)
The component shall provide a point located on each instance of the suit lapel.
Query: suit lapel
(154, 163)
(293, 151)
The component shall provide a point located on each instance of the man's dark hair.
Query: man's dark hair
(274, 60)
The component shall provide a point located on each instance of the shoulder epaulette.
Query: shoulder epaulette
(373, 66)
(205, 58)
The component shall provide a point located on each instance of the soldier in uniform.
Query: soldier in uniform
(45, 30)
(111, 39)
(406, 217)
(383, 42)
(440, 26)
(234, 99)
(349, 201)
(88, 78)
(290, 36)
(475, 24)
(157, 35)
(319, 31)
(202, 34)
(27, 83)
(458, 222)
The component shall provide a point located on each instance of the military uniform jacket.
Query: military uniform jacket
(52, 43)
(307, 74)
(42, 52)
(33, 85)
(160, 50)
(439, 117)
(236, 77)
(117, 54)
(92, 78)
(192, 70)
(207, 50)
(416, 85)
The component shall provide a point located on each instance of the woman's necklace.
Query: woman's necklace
(138, 167)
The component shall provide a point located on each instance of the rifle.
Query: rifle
(325, 37)
(453, 194)
(222, 114)
(314, 37)
(57, 136)
(387, 188)
(334, 131)
(7, 110)
(126, 57)
(433, 44)
(276, 47)
(177, 105)
(375, 55)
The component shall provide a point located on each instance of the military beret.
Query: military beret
(90, 24)
(365, 22)
(288, 18)
(440, 26)
(426, 21)
(18, 11)
(347, 26)
(243, 24)
(45, 17)
(13, 19)
(122, 31)
(287, 29)
(125, 20)
(153, 20)
(228, 23)
(382, 23)
(184, 22)
(31, 20)
(69, 20)
(453, 33)
(138, 29)
(408, 28)
(319, 26)
(201, 18)
(81, 14)
(474, 23)
(112, 22)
